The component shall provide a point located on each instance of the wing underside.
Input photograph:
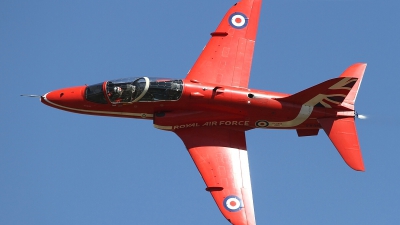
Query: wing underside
(227, 57)
(221, 157)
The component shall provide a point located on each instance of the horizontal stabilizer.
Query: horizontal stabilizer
(343, 135)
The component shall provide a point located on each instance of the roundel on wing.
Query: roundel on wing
(233, 203)
(238, 20)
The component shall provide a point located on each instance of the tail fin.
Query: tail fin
(343, 134)
(329, 94)
(339, 93)
(357, 71)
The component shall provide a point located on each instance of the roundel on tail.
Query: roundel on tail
(238, 20)
(233, 203)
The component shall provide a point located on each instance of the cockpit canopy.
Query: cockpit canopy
(129, 90)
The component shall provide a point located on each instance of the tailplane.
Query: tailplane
(343, 134)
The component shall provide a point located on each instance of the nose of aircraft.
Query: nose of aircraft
(72, 97)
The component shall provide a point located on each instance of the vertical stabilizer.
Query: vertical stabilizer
(356, 71)
(343, 134)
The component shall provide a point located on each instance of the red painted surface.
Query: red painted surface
(343, 134)
(211, 109)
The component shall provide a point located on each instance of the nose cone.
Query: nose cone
(65, 98)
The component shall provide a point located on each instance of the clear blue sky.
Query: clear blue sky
(63, 168)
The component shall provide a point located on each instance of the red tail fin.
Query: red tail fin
(343, 134)
(339, 93)
(357, 71)
(328, 94)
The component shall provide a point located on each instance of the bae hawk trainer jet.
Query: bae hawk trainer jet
(212, 108)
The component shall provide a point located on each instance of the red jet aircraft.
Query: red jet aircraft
(212, 108)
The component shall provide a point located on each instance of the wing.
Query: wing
(221, 157)
(226, 59)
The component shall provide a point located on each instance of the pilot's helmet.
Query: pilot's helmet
(118, 90)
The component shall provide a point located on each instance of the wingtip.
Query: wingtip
(356, 163)
(359, 169)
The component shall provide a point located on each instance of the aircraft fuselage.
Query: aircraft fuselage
(200, 104)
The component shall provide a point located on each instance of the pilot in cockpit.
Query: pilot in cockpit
(128, 94)
(122, 94)
(115, 94)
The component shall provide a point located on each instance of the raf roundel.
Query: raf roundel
(238, 20)
(262, 123)
(233, 203)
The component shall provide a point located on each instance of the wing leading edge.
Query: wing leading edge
(221, 157)
(227, 57)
